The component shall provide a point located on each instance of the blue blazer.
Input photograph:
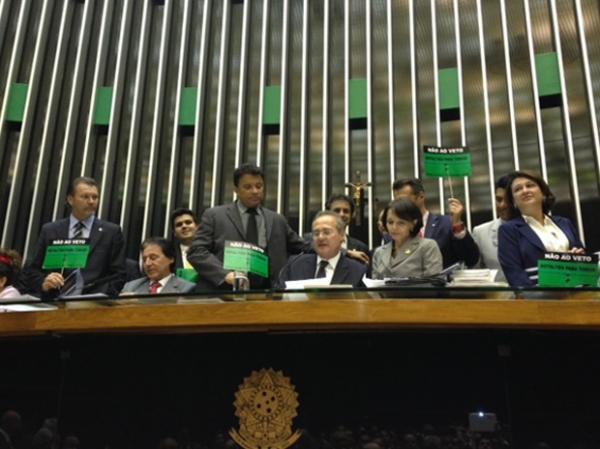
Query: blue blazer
(519, 249)
(439, 228)
(304, 266)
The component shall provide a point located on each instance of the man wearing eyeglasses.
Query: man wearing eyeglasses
(328, 261)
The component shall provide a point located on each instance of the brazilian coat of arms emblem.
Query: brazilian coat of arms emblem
(265, 404)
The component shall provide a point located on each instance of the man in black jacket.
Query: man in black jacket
(105, 268)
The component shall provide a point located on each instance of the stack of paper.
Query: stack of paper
(475, 278)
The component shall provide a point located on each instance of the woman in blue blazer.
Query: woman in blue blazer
(531, 232)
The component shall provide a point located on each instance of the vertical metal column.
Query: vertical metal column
(99, 69)
(536, 97)
(369, 115)
(158, 114)
(136, 116)
(175, 144)
(264, 49)
(461, 102)
(241, 117)
(436, 88)
(23, 147)
(486, 107)
(303, 114)
(13, 70)
(41, 175)
(200, 102)
(73, 111)
(283, 107)
(346, 92)
(588, 82)
(115, 109)
(4, 10)
(325, 130)
(566, 119)
(413, 88)
(509, 87)
(224, 56)
(390, 61)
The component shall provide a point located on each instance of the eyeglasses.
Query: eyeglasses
(324, 233)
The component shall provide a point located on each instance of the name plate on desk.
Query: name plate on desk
(242, 256)
(568, 270)
(443, 162)
(66, 253)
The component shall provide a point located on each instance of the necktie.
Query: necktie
(78, 230)
(321, 271)
(154, 286)
(252, 229)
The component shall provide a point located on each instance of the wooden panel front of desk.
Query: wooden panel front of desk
(304, 315)
(127, 375)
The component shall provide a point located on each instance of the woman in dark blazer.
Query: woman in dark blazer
(531, 232)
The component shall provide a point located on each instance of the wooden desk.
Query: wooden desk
(333, 314)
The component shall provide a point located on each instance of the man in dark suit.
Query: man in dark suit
(105, 268)
(343, 206)
(449, 231)
(243, 220)
(184, 225)
(328, 261)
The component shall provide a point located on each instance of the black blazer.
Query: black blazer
(439, 228)
(105, 270)
(304, 266)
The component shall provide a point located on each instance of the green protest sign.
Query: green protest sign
(242, 256)
(442, 162)
(68, 253)
(189, 274)
(567, 270)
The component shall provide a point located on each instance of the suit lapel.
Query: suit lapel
(564, 227)
(309, 267)
(406, 251)
(95, 234)
(494, 232)
(171, 286)
(341, 271)
(234, 216)
(530, 234)
(268, 216)
(432, 225)
(63, 229)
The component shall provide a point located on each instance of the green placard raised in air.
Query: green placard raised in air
(69, 253)
(189, 274)
(242, 256)
(568, 270)
(442, 162)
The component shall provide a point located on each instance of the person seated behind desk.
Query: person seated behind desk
(328, 233)
(10, 266)
(406, 255)
(530, 232)
(158, 260)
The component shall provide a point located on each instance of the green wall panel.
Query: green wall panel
(546, 69)
(357, 93)
(272, 105)
(103, 106)
(187, 106)
(448, 85)
(16, 102)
